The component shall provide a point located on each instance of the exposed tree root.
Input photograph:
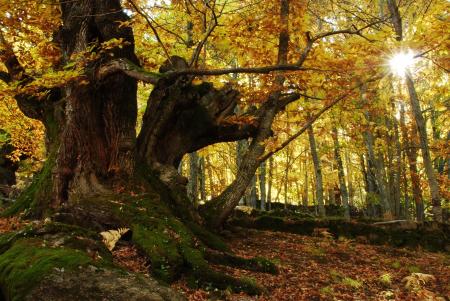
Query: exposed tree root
(48, 256)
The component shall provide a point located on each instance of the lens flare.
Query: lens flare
(401, 62)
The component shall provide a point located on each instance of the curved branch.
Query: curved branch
(141, 74)
(249, 70)
(32, 106)
(145, 76)
(4, 76)
(129, 68)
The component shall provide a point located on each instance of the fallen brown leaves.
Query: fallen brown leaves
(10, 224)
(320, 268)
(128, 257)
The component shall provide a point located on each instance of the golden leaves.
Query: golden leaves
(239, 120)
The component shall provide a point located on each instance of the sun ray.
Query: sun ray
(401, 62)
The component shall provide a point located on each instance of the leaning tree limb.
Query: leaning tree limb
(316, 116)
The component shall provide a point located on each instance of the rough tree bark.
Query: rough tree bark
(98, 176)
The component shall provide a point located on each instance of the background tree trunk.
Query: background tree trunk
(202, 179)
(193, 177)
(222, 206)
(411, 153)
(341, 174)
(305, 198)
(269, 186)
(317, 171)
(262, 184)
(421, 129)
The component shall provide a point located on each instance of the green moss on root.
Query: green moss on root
(161, 249)
(174, 246)
(257, 264)
(210, 239)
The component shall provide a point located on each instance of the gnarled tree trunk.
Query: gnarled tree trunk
(100, 176)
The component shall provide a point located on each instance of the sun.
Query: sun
(401, 62)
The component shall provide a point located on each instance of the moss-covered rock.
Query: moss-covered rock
(26, 263)
(54, 261)
(427, 236)
(92, 283)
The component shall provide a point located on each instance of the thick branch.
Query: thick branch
(140, 74)
(182, 118)
(129, 68)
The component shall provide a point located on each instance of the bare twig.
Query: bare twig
(150, 24)
(313, 118)
(202, 43)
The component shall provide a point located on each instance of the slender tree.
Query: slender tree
(341, 174)
(317, 171)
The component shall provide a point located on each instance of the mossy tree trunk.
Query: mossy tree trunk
(100, 176)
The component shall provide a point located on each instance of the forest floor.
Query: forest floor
(321, 268)
(315, 268)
